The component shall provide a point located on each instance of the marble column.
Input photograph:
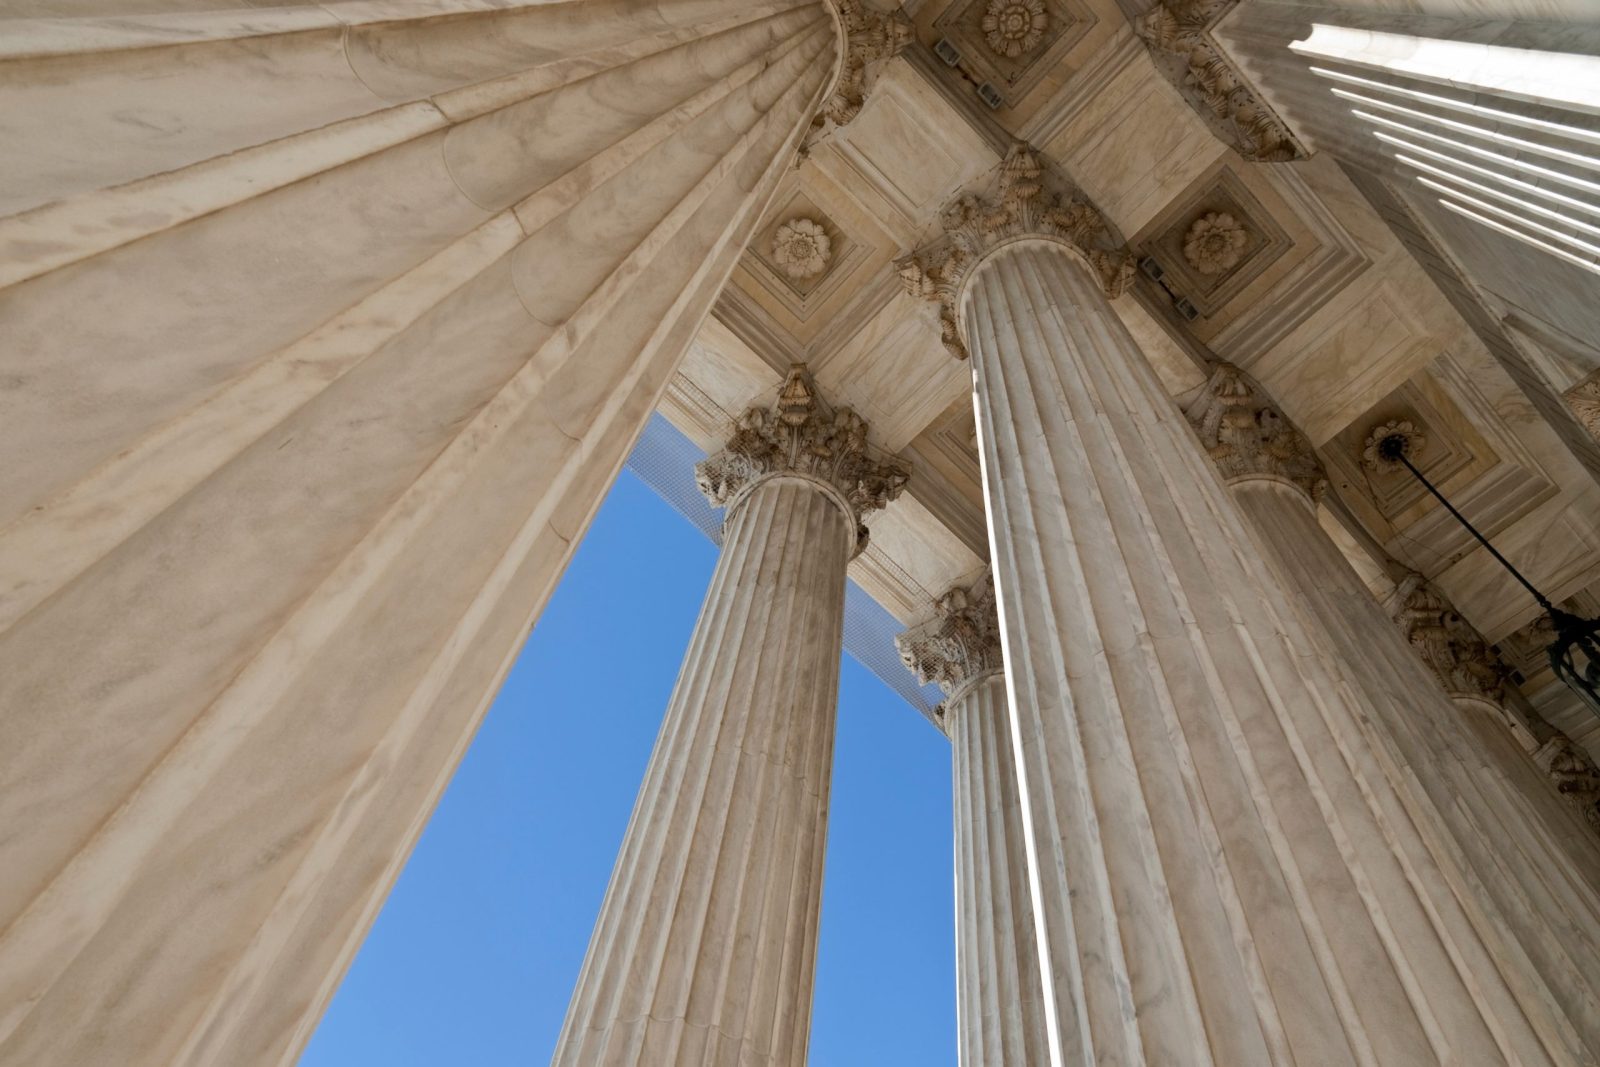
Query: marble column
(1000, 1016)
(1226, 867)
(705, 947)
(327, 328)
(1523, 847)
(1474, 678)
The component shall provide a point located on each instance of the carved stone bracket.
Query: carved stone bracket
(961, 644)
(1247, 437)
(1447, 643)
(800, 434)
(1030, 200)
(1575, 775)
(1178, 33)
(870, 37)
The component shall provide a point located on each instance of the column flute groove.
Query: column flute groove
(704, 951)
(1523, 845)
(264, 456)
(1228, 866)
(1000, 996)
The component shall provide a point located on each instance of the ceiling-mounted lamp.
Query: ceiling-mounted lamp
(1575, 652)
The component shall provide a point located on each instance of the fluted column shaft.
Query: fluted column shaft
(1506, 825)
(1000, 1005)
(1224, 872)
(1522, 846)
(706, 944)
(327, 329)
(1000, 1009)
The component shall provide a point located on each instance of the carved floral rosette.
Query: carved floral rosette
(1463, 661)
(801, 435)
(960, 644)
(1029, 200)
(870, 37)
(1211, 84)
(1247, 437)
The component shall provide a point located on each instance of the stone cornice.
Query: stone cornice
(1178, 34)
(1447, 643)
(960, 645)
(1247, 437)
(800, 435)
(868, 36)
(1030, 200)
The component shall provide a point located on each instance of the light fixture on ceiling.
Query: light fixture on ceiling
(1575, 652)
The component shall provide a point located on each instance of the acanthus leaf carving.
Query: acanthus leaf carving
(870, 37)
(1029, 200)
(960, 644)
(1209, 81)
(801, 434)
(1247, 437)
(1451, 647)
(1574, 775)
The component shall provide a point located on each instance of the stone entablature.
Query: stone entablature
(1178, 33)
(1030, 200)
(960, 645)
(1248, 437)
(1447, 643)
(801, 435)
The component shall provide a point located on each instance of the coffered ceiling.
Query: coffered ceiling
(1285, 269)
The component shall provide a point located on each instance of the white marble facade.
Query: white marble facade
(324, 329)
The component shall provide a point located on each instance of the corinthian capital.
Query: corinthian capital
(800, 434)
(960, 644)
(870, 36)
(1447, 643)
(1030, 200)
(1178, 34)
(1247, 437)
(1576, 777)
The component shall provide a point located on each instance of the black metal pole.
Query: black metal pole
(1394, 448)
(1571, 632)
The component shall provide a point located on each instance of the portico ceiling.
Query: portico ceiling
(1289, 269)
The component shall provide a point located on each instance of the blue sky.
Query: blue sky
(473, 957)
